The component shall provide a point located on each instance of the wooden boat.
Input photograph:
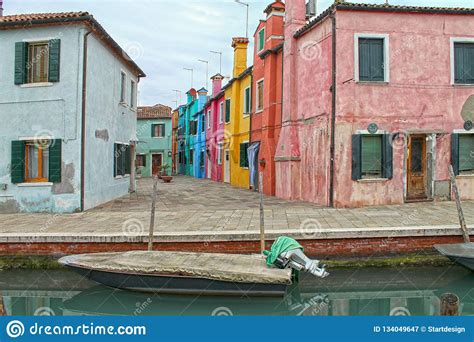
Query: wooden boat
(183, 273)
(461, 253)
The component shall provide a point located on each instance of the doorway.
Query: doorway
(209, 167)
(157, 163)
(417, 168)
(226, 166)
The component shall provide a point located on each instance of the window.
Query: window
(133, 94)
(202, 159)
(122, 160)
(158, 130)
(259, 96)
(372, 62)
(464, 62)
(36, 161)
(123, 79)
(193, 129)
(219, 154)
(141, 160)
(227, 110)
(181, 157)
(244, 159)
(209, 119)
(203, 123)
(191, 156)
(221, 112)
(463, 153)
(247, 101)
(261, 39)
(38, 63)
(372, 156)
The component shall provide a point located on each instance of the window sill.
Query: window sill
(373, 180)
(381, 83)
(259, 111)
(36, 85)
(123, 104)
(122, 177)
(464, 176)
(35, 185)
(463, 85)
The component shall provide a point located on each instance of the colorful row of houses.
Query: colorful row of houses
(345, 109)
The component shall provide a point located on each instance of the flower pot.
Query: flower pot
(167, 179)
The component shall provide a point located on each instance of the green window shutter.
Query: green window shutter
(464, 63)
(455, 153)
(128, 160)
(54, 60)
(55, 161)
(152, 131)
(356, 157)
(144, 160)
(372, 155)
(241, 159)
(466, 152)
(261, 39)
(387, 157)
(17, 168)
(115, 159)
(371, 59)
(21, 60)
(227, 110)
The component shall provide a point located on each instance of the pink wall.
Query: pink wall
(214, 135)
(419, 96)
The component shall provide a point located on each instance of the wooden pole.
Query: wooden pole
(458, 205)
(449, 305)
(262, 213)
(3, 311)
(152, 218)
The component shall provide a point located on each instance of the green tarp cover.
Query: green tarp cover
(281, 245)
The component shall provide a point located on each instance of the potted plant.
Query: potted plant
(165, 177)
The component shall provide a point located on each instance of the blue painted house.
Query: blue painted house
(68, 108)
(199, 146)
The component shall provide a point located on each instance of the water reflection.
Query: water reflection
(379, 292)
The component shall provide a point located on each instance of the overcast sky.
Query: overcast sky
(164, 36)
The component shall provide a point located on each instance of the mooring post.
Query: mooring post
(454, 186)
(449, 305)
(262, 213)
(152, 218)
(3, 311)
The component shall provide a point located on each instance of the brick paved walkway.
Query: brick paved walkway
(191, 207)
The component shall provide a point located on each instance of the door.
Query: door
(209, 167)
(226, 166)
(416, 168)
(157, 162)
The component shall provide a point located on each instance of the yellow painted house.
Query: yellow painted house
(238, 106)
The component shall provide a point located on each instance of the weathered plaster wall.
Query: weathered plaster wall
(104, 112)
(418, 96)
(52, 110)
(215, 136)
(149, 145)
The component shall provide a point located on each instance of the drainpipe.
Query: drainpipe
(333, 113)
(83, 123)
(250, 124)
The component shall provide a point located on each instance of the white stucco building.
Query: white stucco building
(68, 98)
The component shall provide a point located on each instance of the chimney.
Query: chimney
(216, 84)
(295, 17)
(191, 95)
(311, 9)
(202, 95)
(240, 55)
(1, 8)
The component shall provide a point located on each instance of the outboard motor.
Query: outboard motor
(288, 253)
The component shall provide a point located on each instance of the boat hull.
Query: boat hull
(462, 253)
(180, 285)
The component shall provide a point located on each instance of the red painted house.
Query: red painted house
(215, 133)
(267, 93)
(378, 102)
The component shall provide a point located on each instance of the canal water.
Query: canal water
(354, 292)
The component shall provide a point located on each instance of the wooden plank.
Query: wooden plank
(152, 218)
(462, 220)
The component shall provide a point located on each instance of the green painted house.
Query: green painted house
(154, 133)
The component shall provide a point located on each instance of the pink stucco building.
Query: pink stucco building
(215, 133)
(378, 101)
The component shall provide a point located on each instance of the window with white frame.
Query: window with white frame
(221, 112)
(219, 154)
(247, 101)
(462, 60)
(133, 94)
(371, 57)
(123, 86)
(209, 119)
(259, 104)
